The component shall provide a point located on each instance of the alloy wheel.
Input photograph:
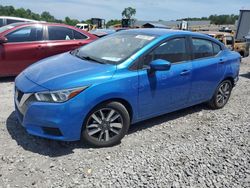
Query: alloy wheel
(104, 124)
(223, 93)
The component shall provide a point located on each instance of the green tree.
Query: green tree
(113, 22)
(46, 16)
(128, 12)
(69, 21)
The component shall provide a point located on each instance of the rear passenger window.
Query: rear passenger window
(79, 36)
(173, 51)
(60, 33)
(202, 48)
(10, 21)
(217, 48)
(1, 22)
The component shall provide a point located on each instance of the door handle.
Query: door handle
(221, 61)
(185, 72)
(39, 47)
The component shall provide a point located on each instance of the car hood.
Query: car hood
(65, 71)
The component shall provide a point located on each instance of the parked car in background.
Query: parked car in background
(83, 26)
(22, 44)
(98, 90)
(6, 20)
(104, 32)
(242, 47)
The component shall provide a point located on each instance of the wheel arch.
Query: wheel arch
(124, 102)
(230, 78)
(242, 53)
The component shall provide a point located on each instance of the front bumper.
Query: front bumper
(59, 121)
(236, 79)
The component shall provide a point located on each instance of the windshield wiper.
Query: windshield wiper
(91, 59)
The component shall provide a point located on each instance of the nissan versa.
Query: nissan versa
(95, 92)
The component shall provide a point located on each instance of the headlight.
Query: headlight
(58, 96)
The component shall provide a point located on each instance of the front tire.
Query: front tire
(106, 125)
(221, 95)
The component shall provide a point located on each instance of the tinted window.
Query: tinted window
(78, 35)
(60, 33)
(229, 40)
(1, 22)
(26, 34)
(173, 51)
(217, 48)
(202, 48)
(10, 21)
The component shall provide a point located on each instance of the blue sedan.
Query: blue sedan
(97, 91)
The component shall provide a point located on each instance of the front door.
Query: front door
(23, 48)
(164, 91)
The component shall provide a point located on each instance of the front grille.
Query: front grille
(23, 100)
(25, 105)
(19, 95)
(20, 115)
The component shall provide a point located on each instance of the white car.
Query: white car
(6, 20)
(83, 26)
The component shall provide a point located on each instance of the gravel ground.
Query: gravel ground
(194, 147)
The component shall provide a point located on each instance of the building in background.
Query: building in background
(243, 26)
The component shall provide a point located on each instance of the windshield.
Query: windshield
(115, 48)
(5, 28)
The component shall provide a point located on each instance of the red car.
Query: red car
(22, 44)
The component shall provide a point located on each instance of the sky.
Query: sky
(145, 9)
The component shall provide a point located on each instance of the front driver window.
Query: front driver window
(27, 34)
(173, 51)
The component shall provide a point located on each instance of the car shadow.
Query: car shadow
(36, 144)
(246, 75)
(7, 79)
(54, 148)
(166, 117)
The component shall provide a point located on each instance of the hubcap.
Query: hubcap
(223, 94)
(104, 124)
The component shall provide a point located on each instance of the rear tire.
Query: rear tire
(242, 54)
(106, 125)
(221, 95)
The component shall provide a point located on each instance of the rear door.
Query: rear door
(23, 48)
(208, 69)
(61, 39)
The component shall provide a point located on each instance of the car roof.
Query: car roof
(170, 32)
(215, 33)
(160, 32)
(17, 18)
(38, 22)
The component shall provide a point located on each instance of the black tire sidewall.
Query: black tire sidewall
(216, 105)
(126, 122)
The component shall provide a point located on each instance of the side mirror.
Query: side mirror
(3, 40)
(160, 65)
